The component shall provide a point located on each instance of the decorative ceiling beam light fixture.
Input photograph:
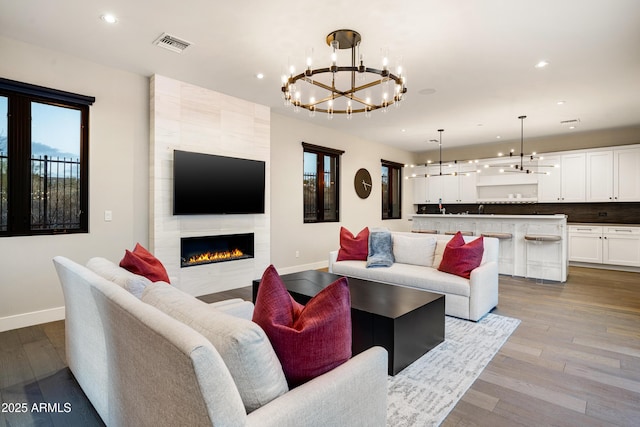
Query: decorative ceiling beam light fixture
(520, 167)
(455, 162)
(440, 155)
(344, 89)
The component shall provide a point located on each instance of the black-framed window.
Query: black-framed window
(391, 190)
(321, 183)
(44, 141)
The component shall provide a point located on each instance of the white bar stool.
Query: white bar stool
(506, 247)
(540, 241)
(464, 233)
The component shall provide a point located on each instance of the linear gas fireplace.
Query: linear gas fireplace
(212, 249)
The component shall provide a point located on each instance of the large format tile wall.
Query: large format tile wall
(192, 118)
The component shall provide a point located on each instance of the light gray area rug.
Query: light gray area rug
(426, 391)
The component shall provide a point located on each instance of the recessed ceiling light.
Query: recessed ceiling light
(498, 137)
(259, 76)
(109, 18)
(561, 102)
(542, 64)
(404, 130)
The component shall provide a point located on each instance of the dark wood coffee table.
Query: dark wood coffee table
(407, 322)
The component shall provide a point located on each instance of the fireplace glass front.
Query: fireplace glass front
(214, 249)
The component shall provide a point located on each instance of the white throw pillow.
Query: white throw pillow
(243, 345)
(439, 252)
(118, 275)
(415, 250)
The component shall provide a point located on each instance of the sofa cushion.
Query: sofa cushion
(243, 345)
(461, 258)
(353, 247)
(141, 261)
(415, 276)
(118, 275)
(418, 250)
(380, 249)
(311, 339)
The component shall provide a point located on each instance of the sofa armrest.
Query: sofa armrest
(333, 257)
(483, 285)
(353, 394)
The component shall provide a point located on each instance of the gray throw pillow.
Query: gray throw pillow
(380, 249)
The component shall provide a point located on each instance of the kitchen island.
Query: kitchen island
(534, 258)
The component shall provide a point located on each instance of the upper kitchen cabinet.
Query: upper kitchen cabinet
(457, 184)
(420, 185)
(613, 175)
(568, 184)
(600, 176)
(626, 174)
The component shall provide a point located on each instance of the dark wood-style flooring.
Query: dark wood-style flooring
(573, 361)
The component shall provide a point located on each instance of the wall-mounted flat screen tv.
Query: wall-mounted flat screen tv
(210, 184)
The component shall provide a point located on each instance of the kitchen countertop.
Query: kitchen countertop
(602, 224)
(491, 216)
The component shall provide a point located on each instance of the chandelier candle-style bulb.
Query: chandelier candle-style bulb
(340, 89)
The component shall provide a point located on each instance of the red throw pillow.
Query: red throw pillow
(142, 262)
(310, 339)
(353, 248)
(460, 258)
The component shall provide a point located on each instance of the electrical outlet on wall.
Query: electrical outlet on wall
(297, 254)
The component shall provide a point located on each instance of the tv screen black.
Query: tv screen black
(210, 184)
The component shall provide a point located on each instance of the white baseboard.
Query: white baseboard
(303, 267)
(29, 319)
(605, 266)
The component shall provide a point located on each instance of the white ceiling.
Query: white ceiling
(478, 56)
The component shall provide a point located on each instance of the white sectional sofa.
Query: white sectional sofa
(415, 267)
(165, 358)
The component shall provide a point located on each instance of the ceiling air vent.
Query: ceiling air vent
(570, 124)
(171, 43)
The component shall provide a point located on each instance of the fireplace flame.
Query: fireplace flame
(215, 256)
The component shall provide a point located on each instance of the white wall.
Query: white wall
(119, 181)
(118, 174)
(314, 241)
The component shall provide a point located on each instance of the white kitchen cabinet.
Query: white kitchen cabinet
(550, 184)
(626, 178)
(419, 185)
(585, 243)
(599, 176)
(621, 246)
(612, 245)
(457, 184)
(567, 184)
(467, 177)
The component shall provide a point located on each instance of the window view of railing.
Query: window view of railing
(4, 196)
(320, 183)
(44, 142)
(55, 193)
(310, 195)
(385, 192)
(391, 190)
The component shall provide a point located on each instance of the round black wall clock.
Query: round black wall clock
(362, 183)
